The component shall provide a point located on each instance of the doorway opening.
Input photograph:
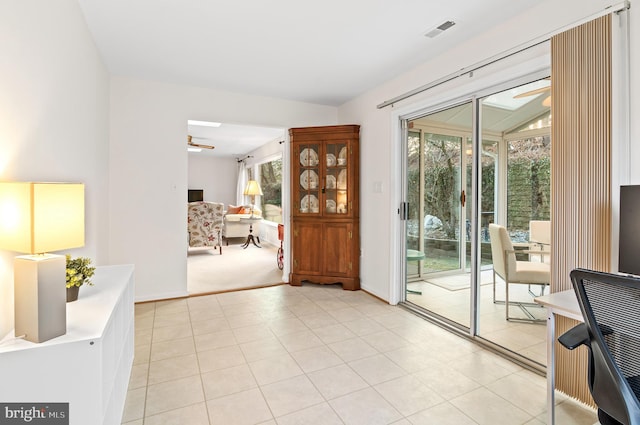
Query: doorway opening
(241, 153)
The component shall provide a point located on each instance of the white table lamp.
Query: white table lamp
(36, 218)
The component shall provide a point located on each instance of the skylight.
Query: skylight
(204, 123)
(507, 99)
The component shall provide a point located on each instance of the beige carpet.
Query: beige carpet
(236, 268)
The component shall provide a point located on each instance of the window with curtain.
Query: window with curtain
(271, 184)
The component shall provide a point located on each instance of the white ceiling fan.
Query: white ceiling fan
(191, 143)
(547, 100)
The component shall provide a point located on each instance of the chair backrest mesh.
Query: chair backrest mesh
(616, 309)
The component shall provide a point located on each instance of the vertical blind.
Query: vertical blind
(581, 175)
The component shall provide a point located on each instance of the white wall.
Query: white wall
(216, 176)
(53, 116)
(634, 95)
(379, 156)
(267, 151)
(148, 168)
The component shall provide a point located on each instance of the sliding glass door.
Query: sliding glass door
(458, 186)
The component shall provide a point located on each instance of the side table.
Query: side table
(250, 237)
(415, 255)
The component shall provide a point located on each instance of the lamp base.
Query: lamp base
(40, 296)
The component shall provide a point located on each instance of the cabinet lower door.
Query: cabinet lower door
(337, 246)
(307, 248)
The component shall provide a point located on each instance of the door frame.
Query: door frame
(470, 91)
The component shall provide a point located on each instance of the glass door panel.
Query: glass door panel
(307, 167)
(514, 190)
(336, 178)
(414, 229)
(468, 204)
(442, 212)
(438, 171)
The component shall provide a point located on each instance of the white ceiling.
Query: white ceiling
(324, 52)
(231, 140)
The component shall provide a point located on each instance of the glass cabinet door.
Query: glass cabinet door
(336, 199)
(308, 199)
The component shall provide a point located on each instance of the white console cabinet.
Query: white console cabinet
(89, 366)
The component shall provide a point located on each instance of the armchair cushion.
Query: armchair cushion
(530, 272)
(235, 213)
(234, 210)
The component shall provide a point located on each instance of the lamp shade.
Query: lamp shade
(41, 217)
(252, 188)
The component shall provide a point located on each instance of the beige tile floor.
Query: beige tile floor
(320, 355)
(527, 339)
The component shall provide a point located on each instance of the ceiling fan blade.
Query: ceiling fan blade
(532, 92)
(197, 145)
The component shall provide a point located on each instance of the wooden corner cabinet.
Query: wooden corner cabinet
(325, 219)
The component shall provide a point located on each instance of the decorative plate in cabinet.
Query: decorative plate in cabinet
(309, 203)
(342, 180)
(309, 179)
(308, 157)
(331, 160)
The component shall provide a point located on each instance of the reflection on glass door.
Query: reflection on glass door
(438, 174)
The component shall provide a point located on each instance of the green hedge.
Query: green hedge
(528, 184)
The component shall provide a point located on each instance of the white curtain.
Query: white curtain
(242, 182)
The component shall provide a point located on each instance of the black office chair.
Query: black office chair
(610, 306)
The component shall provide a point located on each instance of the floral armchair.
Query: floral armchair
(204, 224)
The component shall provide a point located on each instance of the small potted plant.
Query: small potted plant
(79, 272)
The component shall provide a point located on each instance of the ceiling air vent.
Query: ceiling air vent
(439, 29)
